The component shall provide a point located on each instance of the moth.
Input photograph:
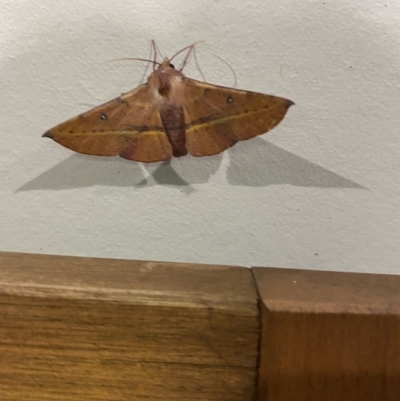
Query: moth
(170, 116)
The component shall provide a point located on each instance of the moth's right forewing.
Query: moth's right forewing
(218, 117)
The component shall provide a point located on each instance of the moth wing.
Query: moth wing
(129, 126)
(217, 117)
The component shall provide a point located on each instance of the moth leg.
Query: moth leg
(185, 60)
(154, 49)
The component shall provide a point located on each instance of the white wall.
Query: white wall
(320, 191)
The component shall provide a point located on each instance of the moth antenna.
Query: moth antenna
(186, 47)
(133, 58)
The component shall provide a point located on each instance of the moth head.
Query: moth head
(164, 75)
(165, 65)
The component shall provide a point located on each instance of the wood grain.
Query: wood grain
(96, 329)
(328, 336)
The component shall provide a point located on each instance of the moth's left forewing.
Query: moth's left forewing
(128, 126)
(228, 115)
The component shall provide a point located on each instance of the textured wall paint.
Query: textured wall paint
(320, 191)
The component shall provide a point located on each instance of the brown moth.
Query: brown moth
(171, 115)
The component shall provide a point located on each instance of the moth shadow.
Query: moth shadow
(266, 164)
(80, 171)
(254, 163)
(183, 171)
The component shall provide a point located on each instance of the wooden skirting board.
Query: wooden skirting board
(92, 329)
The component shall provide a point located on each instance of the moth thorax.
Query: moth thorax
(166, 83)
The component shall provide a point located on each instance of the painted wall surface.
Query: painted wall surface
(320, 191)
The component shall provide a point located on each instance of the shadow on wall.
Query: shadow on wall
(259, 165)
